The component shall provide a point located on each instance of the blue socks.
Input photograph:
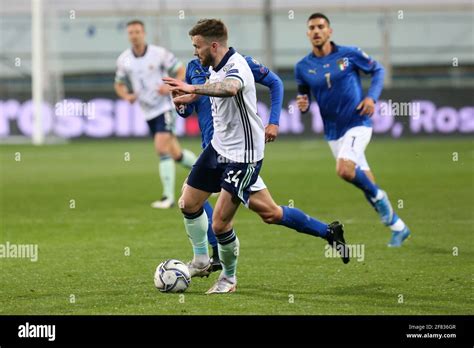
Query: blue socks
(211, 237)
(363, 182)
(301, 222)
(367, 197)
(395, 218)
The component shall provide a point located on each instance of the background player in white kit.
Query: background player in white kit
(143, 66)
(230, 164)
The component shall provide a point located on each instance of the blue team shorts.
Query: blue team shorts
(162, 123)
(213, 172)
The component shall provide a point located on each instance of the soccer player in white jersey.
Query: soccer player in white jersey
(143, 66)
(231, 163)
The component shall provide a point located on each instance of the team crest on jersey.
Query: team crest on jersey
(343, 63)
(227, 67)
(325, 66)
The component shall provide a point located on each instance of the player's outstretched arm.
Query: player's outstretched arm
(227, 88)
(185, 99)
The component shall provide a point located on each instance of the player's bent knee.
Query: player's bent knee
(346, 173)
(187, 206)
(219, 224)
(181, 204)
(269, 219)
(162, 146)
(273, 216)
(162, 151)
(220, 227)
(183, 187)
(217, 228)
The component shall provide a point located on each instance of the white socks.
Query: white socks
(398, 226)
(229, 246)
(188, 158)
(168, 171)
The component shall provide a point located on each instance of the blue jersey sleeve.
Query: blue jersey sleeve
(189, 109)
(275, 84)
(259, 71)
(302, 85)
(370, 66)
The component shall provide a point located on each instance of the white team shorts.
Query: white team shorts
(352, 146)
(259, 185)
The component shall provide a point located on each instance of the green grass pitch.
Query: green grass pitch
(82, 267)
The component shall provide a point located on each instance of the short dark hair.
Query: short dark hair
(136, 21)
(213, 29)
(319, 15)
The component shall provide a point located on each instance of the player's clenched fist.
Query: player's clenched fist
(302, 102)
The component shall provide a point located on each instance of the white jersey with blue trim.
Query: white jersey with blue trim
(238, 131)
(145, 74)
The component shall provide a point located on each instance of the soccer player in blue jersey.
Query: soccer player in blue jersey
(198, 74)
(331, 74)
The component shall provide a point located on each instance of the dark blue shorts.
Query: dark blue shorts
(162, 123)
(213, 172)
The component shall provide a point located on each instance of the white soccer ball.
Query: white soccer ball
(172, 276)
